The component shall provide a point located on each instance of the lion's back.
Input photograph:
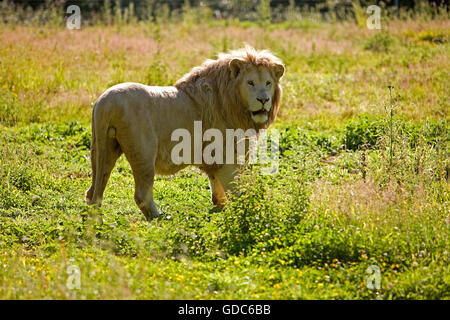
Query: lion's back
(136, 102)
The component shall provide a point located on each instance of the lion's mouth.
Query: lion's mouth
(260, 116)
(259, 112)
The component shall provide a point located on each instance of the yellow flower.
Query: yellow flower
(277, 285)
(180, 278)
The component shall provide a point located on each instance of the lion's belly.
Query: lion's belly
(164, 168)
(164, 164)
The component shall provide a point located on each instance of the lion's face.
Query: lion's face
(256, 86)
(256, 89)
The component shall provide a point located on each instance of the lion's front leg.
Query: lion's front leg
(218, 195)
(222, 181)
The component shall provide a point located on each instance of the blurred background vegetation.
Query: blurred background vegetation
(108, 11)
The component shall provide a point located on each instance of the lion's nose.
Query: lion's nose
(263, 100)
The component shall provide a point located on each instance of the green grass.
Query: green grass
(336, 206)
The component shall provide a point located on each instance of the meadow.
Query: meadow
(358, 188)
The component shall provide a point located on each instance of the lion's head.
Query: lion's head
(239, 90)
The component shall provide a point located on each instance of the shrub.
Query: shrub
(363, 131)
(379, 42)
(266, 210)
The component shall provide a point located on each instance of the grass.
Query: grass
(336, 207)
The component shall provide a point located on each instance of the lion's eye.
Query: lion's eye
(268, 83)
(251, 83)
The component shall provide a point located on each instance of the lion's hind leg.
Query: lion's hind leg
(141, 154)
(144, 175)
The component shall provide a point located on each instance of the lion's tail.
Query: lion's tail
(103, 144)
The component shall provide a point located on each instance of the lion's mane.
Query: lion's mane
(216, 91)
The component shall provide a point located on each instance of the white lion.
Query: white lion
(239, 90)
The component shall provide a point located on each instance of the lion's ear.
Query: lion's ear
(206, 87)
(207, 92)
(235, 67)
(279, 70)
